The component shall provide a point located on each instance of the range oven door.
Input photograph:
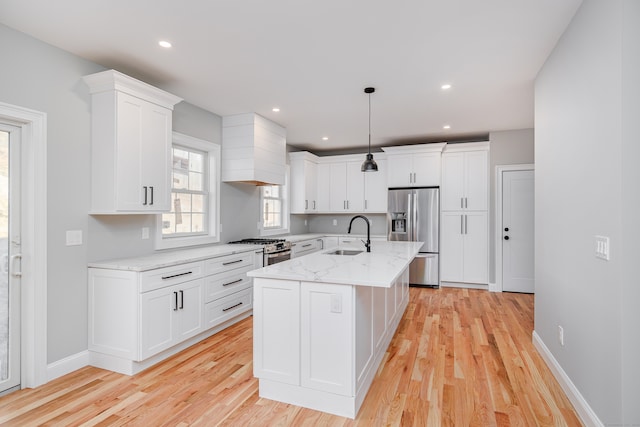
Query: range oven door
(276, 257)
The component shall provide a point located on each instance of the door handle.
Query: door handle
(145, 195)
(151, 203)
(461, 224)
(181, 299)
(465, 225)
(175, 301)
(14, 271)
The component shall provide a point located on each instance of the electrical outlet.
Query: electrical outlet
(561, 335)
(74, 237)
(305, 222)
(145, 233)
(335, 222)
(336, 303)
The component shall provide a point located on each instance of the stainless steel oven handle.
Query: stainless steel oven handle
(278, 254)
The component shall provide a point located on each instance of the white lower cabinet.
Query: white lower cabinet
(169, 315)
(305, 247)
(137, 319)
(464, 247)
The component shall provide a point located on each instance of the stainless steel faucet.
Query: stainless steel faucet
(367, 244)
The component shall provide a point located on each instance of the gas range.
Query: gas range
(269, 245)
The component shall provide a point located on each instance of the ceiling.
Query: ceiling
(313, 59)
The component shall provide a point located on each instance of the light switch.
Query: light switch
(602, 247)
(74, 237)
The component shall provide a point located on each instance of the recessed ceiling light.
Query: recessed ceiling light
(446, 86)
(275, 110)
(446, 127)
(164, 43)
(325, 138)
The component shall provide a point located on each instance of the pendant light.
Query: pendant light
(369, 164)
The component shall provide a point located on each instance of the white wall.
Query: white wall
(586, 153)
(510, 147)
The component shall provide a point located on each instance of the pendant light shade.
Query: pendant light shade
(369, 164)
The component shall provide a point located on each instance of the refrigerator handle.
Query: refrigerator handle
(415, 217)
(410, 219)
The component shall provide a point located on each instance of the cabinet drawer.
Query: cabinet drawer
(161, 277)
(228, 262)
(228, 307)
(222, 284)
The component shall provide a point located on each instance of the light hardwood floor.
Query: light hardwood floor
(459, 358)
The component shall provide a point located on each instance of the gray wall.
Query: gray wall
(47, 79)
(587, 183)
(507, 148)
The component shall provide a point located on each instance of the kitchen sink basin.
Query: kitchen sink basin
(344, 252)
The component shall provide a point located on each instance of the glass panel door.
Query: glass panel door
(9, 258)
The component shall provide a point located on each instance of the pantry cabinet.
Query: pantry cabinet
(131, 134)
(464, 247)
(465, 180)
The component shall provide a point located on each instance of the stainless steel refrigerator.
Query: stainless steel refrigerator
(414, 216)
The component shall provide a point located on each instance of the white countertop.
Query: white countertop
(379, 268)
(174, 257)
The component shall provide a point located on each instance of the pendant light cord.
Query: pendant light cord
(369, 123)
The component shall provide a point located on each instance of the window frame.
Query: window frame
(285, 210)
(213, 152)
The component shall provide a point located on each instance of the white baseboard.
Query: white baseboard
(586, 414)
(464, 285)
(69, 364)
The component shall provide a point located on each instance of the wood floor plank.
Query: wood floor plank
(460, 357)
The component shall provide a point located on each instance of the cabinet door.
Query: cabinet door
(338, 187)
(158, 320)
(190, 309)
(156, 156)
(323, 187)
(375, 189)
(399, 171)
(476, 180)
(129, 188)
(329, 242)
(276, 342)
(326, 338)
(476, 248)
(453, 177)
(451, 246)
(310, 186)
(426, 169)
(355, 187)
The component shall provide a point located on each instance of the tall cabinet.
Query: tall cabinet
(464, 230)
(130, 144)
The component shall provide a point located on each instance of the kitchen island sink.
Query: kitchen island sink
(322, 324)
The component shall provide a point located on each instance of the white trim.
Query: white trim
(213, 151)
(586, 414)
(33, 347)
(286, 209)
(498, 216)
(67, 365)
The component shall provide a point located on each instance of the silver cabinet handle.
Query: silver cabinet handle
(314, 205)
(461, 224)
(466, 203)
(461, 202)
(410, 178)
(465, 224)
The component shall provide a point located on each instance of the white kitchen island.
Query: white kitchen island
(323, 322)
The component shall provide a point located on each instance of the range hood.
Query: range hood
(253, 150)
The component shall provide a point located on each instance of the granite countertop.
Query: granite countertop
(378, 268)
(173, 257)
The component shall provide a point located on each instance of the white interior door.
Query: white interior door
(517, 231)
(9, 257)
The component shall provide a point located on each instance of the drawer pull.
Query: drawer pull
(231, 283)
(233, 306)
(232, 262)
(176, 275)
(307, 245)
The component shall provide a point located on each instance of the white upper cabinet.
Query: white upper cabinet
(322, 187)
(130, 145)
(253, 150)
(304, 187)
(375, 188)
(414, 165)
(465, 178)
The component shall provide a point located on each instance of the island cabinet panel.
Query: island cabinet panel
(327, 333)
(276, 346)
(379, 316)
(365, 338)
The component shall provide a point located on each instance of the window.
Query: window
(195, 190)
(274, 208)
